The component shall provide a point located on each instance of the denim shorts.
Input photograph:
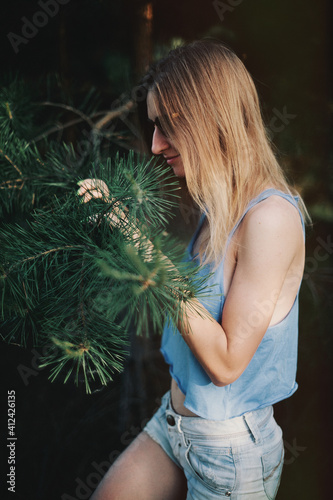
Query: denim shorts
(240, 458)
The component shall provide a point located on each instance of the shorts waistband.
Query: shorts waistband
(250, 421)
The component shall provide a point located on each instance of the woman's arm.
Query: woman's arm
(268, 272)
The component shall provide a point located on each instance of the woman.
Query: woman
(214, 435)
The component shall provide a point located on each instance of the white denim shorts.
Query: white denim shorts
(240, 458)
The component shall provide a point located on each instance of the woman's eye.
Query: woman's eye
(158, 124)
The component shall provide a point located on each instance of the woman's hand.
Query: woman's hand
(96, 188)
(92, 188)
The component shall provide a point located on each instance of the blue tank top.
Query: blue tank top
(270, 375)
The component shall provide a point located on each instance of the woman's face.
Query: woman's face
(161, 144)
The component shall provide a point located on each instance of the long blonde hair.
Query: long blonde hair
(209, 108)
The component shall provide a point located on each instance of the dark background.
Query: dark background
(67, 439)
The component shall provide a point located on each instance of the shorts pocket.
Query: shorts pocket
(213, 466)
(272, 463)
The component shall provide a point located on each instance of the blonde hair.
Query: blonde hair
(209, 108)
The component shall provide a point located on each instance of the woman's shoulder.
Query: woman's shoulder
(277, 206)
(274, 221)
(275, 210)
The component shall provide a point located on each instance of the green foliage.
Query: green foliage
(16, 110)
(78, 277)
(71, 280)
(27, 180)
(141, 185)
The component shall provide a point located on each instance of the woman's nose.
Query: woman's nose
(159, 142)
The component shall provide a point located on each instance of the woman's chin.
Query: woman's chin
(178, 171)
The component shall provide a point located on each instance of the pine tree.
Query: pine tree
(74, 276)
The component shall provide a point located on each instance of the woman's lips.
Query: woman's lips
(171, 159)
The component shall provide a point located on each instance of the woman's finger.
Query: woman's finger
(92, 188)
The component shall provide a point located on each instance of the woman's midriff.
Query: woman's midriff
(177, 400)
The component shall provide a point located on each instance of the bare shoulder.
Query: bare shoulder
(273, 224)
(275, 214)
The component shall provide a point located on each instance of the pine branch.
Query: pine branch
(38, 255)
(78, 277)
(111, 115)
(96, 127)
(82, 115)
(11, 162)
(56, 128)
(68, 276)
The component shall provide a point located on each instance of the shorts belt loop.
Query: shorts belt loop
(253, 427)
(178, 423)
(180, 430)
